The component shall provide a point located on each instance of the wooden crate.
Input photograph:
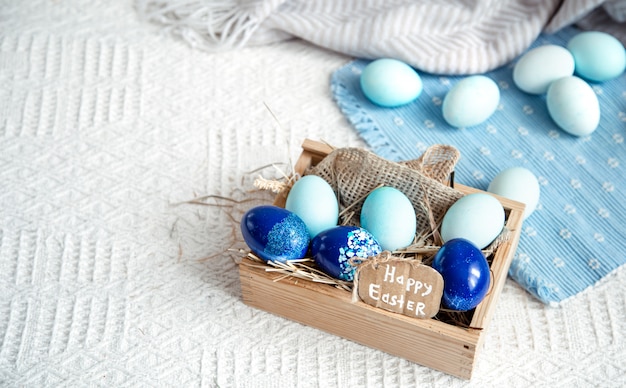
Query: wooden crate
(433, 343)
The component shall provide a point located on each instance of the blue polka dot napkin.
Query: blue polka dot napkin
(577, 235)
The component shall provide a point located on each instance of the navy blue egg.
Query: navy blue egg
(333, 248)
(274, 233)
(465, 272)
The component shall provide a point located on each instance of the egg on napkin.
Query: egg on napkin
(538, 68)
(573, 105)
(390, 83)
(471, 101)
(518, 184)
(598, 56)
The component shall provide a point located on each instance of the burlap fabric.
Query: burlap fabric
(354, 172)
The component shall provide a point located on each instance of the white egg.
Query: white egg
(518, 184)
(471, 101)
(573, 105)
(538, 68)
(389, 216)
(476, 217)
(314, 201)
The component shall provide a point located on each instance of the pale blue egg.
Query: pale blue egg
(538, 68)
(389, 216)
(471, 101)
(518, 184)
(314, 201)
(477, 217)
(598, 56)
(573, 105)
(389, 83)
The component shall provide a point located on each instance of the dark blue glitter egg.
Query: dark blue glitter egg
(465, 272)
(274, 233)
(334, 248)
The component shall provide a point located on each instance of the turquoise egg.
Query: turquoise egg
(471, 101)
(389, 216)
(335, 250)
(389, 83)
(598, 56)
(314, 201)
(274, 233)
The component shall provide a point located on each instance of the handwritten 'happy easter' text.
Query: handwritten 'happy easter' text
(398, 300)
(403, 287)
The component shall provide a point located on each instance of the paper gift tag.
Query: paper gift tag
(400, 285)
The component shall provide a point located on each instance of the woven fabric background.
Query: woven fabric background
(106, 125)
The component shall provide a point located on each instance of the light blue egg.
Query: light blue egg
(314, 201)
(477, 217)
(538, 68)
(389, 83)
(389, 216)
(518, 184)
(598, 56)
(573, 105)
(471, 101)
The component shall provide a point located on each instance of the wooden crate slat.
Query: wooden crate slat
(429, 342)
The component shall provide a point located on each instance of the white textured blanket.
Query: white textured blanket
(106, 124)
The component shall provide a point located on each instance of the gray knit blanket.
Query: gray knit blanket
(435, 36)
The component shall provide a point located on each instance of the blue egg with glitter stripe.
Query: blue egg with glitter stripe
(337, 250)
(274, 233)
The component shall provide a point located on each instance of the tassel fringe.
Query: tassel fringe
(213, 26)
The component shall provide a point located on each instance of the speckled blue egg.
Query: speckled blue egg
(465, 272)
(274, 233)
(389, 82)
(598, 56)
(314, 200)
(471, 101)
(389, 216)
(334, 248)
